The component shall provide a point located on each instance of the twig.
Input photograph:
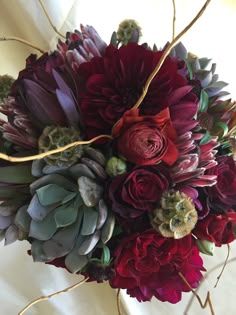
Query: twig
(166, 52)
(207, 300)
(49, 19)
(23, 41)
(224, 265)
(43, 298)
(118, 302)
(207, 275)
(174, 19)
(44, 154)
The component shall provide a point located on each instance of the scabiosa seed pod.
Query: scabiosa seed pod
(55, 137)
(176, 216)
(6, 82)
(128, 31)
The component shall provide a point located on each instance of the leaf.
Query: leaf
(43, 230)
(6, 221)
(62, 241)
(106, 256)
(37, 251)
(190, 70)
(203, 106)
(89, 221)
(23, 219)
(207, 138)
(75, 262)
(51, 194)
(66, 214)
(37, 211)
(17, 174)
(11, 234)
(223, 128)
(56, 179)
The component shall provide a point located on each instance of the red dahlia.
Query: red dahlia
(114, 82)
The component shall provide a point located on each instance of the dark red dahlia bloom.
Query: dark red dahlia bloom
(138, 191)
(217, 228)
(222, 196)
(114, 83)
(148, 265)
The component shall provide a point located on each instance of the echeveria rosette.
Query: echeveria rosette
(138, 191)
(146, 140)
(148, 264)
(113, 83)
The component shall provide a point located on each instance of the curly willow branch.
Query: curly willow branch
(47, 297)
(174, 19)
(118, 302)
(208, 298)
(208, 274)
(49, 19)
(166, 52)
(145, 90)
(23, 41)
(44, 154)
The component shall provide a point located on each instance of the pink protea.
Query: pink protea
(81, 46)
(193, 161)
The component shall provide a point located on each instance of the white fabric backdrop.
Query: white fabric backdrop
(22, 281)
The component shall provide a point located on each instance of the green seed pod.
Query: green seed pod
(128, 31)
(205, 247)
(115, 166)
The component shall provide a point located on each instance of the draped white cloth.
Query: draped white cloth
(21, 281)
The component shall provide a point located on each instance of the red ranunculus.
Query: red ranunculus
(217, 228)
(222, 196)
(138, 191)
(146, 140)
(148, 265)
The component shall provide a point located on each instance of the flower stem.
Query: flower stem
(47, 297)
(166, 52)
(21, 40)
(44, 154)
(49, 19)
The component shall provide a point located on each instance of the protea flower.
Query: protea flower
(40, 101)
(81, 46)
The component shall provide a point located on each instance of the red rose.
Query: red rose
(146, 140)
(148, 265)
(133, 193)
(217, 228)
(222, 196)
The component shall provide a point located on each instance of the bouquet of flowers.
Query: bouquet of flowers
(114, 184)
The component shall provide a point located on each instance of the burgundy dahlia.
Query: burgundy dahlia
(149, 264)
(113, 84)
